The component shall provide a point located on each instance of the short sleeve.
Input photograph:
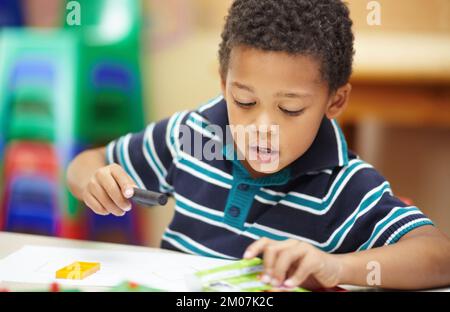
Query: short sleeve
(146, 156)
(378, 216)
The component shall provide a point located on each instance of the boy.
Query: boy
(290, 190)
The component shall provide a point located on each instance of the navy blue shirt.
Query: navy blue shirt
(328, 197)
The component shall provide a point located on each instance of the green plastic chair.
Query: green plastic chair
(110, 33)
(32, 109)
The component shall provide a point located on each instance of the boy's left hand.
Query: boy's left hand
(293, 263)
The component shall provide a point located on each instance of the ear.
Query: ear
(338, 101)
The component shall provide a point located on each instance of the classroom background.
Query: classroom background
(66, 87)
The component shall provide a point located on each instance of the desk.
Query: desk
(11, 242)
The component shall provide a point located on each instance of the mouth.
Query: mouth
(263, 154)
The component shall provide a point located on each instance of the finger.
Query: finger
(124, 181)
(113, 190)
(256, 247)
(94, 204)
(271, 253)
(285, 260)
(100, 194)
(307, 266)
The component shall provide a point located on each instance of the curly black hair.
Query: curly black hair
(321, 29)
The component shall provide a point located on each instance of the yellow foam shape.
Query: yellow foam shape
(78, 270)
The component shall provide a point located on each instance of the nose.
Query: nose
(266, 127)
(264, 120)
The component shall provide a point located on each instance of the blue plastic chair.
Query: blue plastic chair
(113, 229)
(31, 206)
(11, 13)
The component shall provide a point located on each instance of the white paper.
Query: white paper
(163, 270)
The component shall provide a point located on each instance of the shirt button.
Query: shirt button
(243, 187)
(234, 211)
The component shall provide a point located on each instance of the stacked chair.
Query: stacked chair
(61, 92)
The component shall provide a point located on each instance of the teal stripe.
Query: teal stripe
(198, 122)
(270, 197)
(149, 151)
(122, 157)
(309, 203)
(202, 213)
(172, 138)
(166, 188)
(193, 165)
(375, 197)
(189, 246)
(343, 144)
(262, 233)
(323, 205)
(381, 225)
(204, 171)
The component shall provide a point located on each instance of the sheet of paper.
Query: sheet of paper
(38, 264)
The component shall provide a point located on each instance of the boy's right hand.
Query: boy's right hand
(108, 191)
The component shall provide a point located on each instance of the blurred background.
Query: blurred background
(66, 87)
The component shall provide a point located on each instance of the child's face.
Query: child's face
(265, 89)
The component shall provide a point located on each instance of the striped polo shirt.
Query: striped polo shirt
(328, 197)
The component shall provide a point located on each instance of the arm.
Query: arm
(420, 259)
(103, 188)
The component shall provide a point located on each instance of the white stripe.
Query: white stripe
(327, 242)
(265, 201)
(220, 214)
(178, 245)
(374, 239)
(211, 103)
(149, 137)
(130, 167)
(198, 245)
(199, 117)
(328, 207)
(176, 130)
(198, 206)
(388, 241)
(169, 127)
(317, 199)
(272, 192)
(202, 131)
(327, 171)
(161, 179)
(361, 213)
(205, 166)
(338, 142)
(109, 152)
(201, 175)
(282, 233)
(213, 222)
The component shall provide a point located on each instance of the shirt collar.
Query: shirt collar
(328, 150)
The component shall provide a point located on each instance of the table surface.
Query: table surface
(11, 242)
